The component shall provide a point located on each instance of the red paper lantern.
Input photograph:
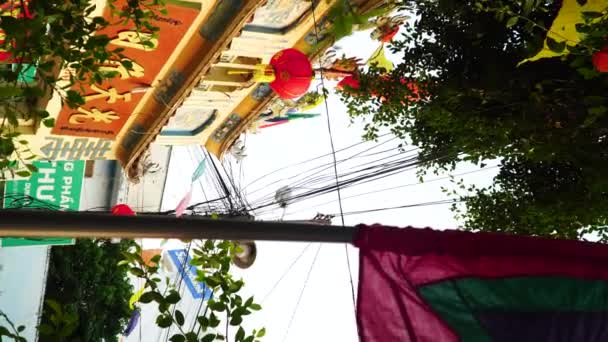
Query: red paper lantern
(122, 210)
(293, 73)
(349, 81)
(600, 60)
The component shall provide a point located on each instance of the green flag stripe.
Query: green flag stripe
(456, 301)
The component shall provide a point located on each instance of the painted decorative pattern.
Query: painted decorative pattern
(77, 149)
(311, 36)
(222, 14)
(277, 14)
(220, 134)
(169, 87)
(261, 91)
(171, 131)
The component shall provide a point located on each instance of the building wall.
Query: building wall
(22, 283)
(97, 190)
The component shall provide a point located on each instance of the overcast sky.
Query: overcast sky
(325, 311)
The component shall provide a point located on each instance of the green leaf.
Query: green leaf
(135, 298)
(191, 337)
(136, 271)
(217, 306)
(163, 306)
(122, 262)
(74, 98)
(20, 328)
(203, 321)
(155, 259)
(255, 307)
(208, 338)
(179, 317)
(249, 302)
(591, 15)
(55, 306)
(177, 338)
(236, 320)
(68, 329)
(127, 64)
(261, 333)
(209, 244)
(512, 21)
(10, 91)
(164, 321)
(554, 46)
(23, 173)
(528, 4)
(173, 297)
(50, 122)
(240, 334)
(45, 329)
(148, 297)
(213, 320)
(582, 28)
(599, 110)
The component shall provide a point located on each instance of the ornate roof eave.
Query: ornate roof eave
(254, 114)
(264, 102)
(195, 59)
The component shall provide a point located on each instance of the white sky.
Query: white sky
(325, 312)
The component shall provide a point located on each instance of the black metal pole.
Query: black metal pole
(38, 223)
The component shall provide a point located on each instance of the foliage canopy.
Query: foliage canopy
(546, 119)
(86, 280)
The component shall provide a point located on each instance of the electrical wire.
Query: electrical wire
(397, 187)
(423, 204)
(287, 270)
(333, 152)
(295, 310)
(306, 162)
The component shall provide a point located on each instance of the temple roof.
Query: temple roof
(200, 100)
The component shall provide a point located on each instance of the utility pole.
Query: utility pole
(42, 223)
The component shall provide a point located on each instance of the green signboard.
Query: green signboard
(56, 183)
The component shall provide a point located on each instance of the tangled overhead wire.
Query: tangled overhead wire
(19, 201)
